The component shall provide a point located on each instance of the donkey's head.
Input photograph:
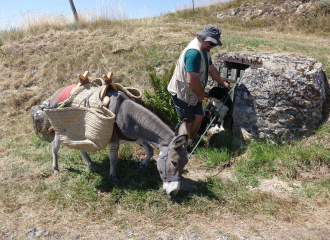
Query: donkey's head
(41, 124)
(171, 161)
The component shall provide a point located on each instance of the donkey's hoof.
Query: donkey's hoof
(56, 171)
(139, 165)
(114, 180)
(92, 167)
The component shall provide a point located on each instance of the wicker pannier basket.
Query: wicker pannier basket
(86, 128)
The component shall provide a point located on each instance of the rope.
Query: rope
(213, 119)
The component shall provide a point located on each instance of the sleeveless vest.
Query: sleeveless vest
(179, 85)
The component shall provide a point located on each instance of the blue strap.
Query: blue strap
(165, 159)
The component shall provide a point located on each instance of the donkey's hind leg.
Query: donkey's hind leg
(88, 160)
(149, 150)
(113, 148)
(56, 143)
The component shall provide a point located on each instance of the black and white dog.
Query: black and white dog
(218, 95)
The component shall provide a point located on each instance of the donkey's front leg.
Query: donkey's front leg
(88, 160)
(113, 148)
(56, 143)
(149, 150)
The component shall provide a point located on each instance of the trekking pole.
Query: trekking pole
(214, 118)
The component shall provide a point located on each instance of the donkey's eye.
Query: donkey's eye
(174, 163)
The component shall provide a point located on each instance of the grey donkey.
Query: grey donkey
(136, 123)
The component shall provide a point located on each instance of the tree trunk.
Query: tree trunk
(74, 11)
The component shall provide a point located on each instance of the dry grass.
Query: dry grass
(43, 57)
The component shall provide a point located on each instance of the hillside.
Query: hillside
(286, 198)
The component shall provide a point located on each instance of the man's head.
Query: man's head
(210, 37)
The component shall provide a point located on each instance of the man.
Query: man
(191, 75)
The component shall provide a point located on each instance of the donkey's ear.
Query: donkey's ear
(180, 140)
(183, 127)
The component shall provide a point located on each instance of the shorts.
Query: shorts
(184, 110)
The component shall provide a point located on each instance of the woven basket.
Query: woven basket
(84, 123)
(134, 93)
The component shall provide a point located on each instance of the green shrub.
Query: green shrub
(160, 100)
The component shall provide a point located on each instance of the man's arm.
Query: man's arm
(216, 76)
(192, 79)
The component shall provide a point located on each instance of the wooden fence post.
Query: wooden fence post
(74, 11)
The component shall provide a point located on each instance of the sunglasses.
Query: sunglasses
(212, 44)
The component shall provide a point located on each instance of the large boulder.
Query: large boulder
(279, 97)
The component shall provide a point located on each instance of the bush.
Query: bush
(161, 101)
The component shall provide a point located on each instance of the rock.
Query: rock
(129, 232)
(31, 232)
(279, 97)
(223, 237)
(231, 12)
(196, 235)
(270, 9)
(41, 233)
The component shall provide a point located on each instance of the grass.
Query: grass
(138, 191)
(267, 159)
(38, 60)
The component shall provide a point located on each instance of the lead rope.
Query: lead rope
(213, 119)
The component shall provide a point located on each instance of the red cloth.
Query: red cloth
(65, 93)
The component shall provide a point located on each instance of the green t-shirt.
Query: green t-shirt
(192, 59)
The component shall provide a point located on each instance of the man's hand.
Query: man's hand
(216, 76)
(227, 86)
(200, 98)
(192, 79)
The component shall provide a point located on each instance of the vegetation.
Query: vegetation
(160, 100)
(224, 179)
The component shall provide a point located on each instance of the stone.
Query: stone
(31, 232)
(279, 97)
(129, 232)
(196, 235)
(301, 9)
(223, 237)
(269, 9)
(40, 233)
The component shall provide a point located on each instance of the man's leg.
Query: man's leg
(193, 114)
(194, 126)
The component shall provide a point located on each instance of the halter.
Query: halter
(165, 158)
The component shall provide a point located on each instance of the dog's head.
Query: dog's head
(218, 93)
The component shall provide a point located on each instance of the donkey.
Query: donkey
(136, 123)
